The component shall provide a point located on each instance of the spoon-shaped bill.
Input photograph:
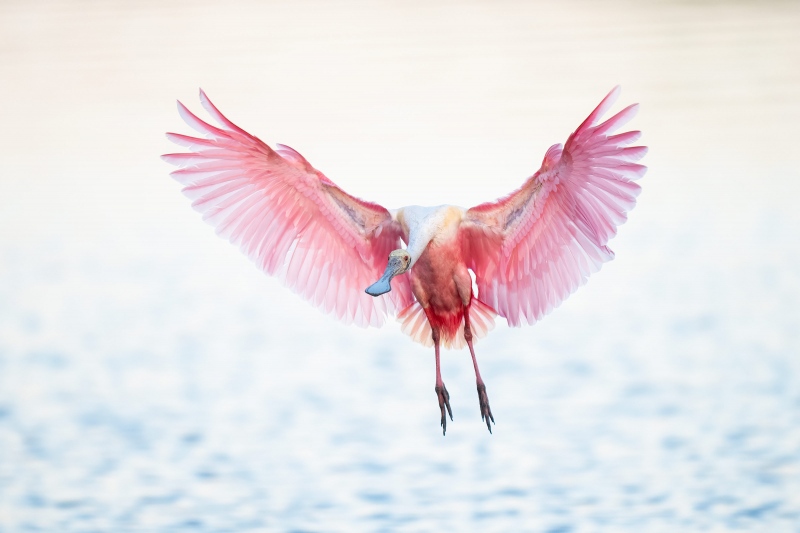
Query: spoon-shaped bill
(382, 286)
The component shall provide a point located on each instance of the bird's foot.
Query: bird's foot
(483, 401)
(444, 402)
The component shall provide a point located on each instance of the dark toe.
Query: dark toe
(444, 405)
(483, 402)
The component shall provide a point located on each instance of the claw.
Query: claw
(486, 411)
(444, 402)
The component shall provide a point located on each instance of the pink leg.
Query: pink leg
(483, 399)
(441, 391)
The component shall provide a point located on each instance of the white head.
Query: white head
(399, 263)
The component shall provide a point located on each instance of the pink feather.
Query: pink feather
(528, 251)
(533, 248)
(292, 221)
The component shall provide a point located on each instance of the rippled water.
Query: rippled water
(152, 380)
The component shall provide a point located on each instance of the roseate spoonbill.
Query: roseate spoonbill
(528, 251)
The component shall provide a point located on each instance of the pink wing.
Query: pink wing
(290, 219)
(533, 248)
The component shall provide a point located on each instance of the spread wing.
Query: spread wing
(290, 219)
(533, 248)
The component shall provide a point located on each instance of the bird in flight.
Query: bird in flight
(527, 251)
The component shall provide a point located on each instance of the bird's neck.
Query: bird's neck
(426, 224)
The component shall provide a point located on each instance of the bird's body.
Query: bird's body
(527, 251)
(440, 281)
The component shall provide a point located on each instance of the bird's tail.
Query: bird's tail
(414, 323)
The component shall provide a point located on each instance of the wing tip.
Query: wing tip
(601, 108)
(187, 116)
(205, 101)
(173, 137)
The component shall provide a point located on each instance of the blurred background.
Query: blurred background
(151, 379)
